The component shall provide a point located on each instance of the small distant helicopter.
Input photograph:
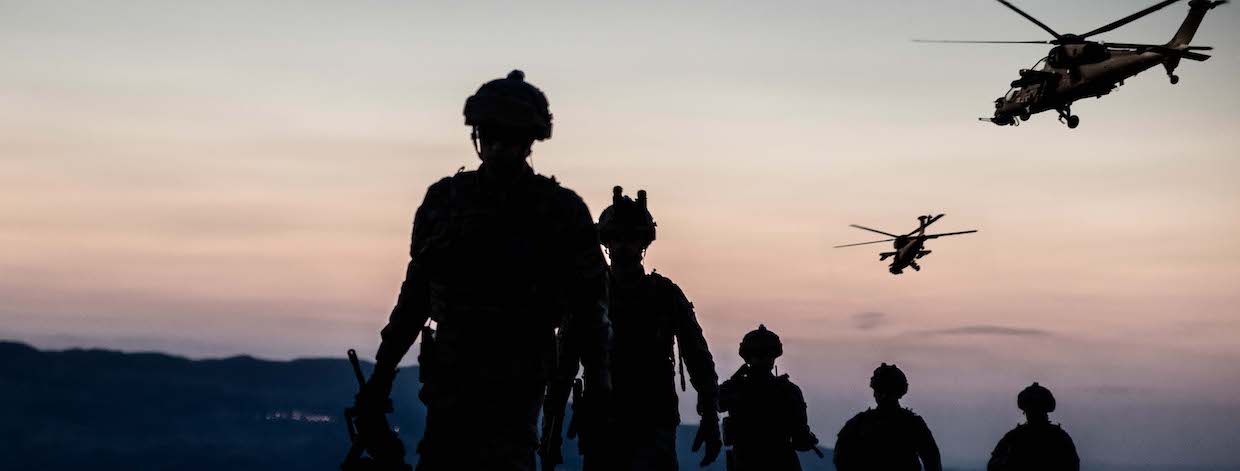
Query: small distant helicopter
(909, 247)
(1077, 68)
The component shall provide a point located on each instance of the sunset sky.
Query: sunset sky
(221, 178)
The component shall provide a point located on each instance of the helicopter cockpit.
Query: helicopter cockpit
(1033, 82)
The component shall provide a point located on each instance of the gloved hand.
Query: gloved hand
(805, 442)
(374, 397)
(548, 457)
(371, 405)
(708, 434)
(381, 443)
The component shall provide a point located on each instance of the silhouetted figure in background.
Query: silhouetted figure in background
(766, 423)
(648, 314)
(501, 256)
(1036, 444)
(889, 437)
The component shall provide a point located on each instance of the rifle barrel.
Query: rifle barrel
(357, 367)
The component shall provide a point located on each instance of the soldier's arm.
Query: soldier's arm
(999, 457)
(413, 304)
(928, 449)
(727, 395)
(843, 447)
(696, 353)
(1073, 460)
(586, 289)
(802, 438)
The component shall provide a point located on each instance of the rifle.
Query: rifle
(354, 461)
(550, 447)
(561, 385)
(574, 426)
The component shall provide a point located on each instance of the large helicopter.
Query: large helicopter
(1078, 68)
(909, 247)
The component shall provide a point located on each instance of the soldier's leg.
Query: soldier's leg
(492, 431)
(635, 447)
(661, 450)
(506, 426)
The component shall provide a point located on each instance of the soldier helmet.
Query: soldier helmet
(889, 379)
(510, 103)
(626, 219)
(761, 343)
(1036, 398)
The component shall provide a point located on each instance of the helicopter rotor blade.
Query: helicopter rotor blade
(863, 243)
(935, 236)
(1130, 18)
(888, 234)
(928, 221)
(954, 41)
(1031, 18)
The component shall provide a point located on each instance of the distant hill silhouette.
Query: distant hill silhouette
(109, 411)
(106, 410)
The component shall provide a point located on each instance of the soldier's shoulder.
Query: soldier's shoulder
(862, 416)
(790, 388)
(664, 283)
(550, 183)
(441, 190)
(562, 195)
(1059, 430)
(1013, 434)
(446, 182)
(910, 415)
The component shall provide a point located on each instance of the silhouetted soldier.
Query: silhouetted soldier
(1036, 444)
(648, 313)
(889, 437)
(766, 423)
(500, 258)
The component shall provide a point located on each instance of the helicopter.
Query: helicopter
(909, 247)
(1078, 68)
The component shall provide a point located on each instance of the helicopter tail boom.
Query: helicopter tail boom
(1196, 12)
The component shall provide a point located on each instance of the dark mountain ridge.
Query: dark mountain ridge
(107, 410)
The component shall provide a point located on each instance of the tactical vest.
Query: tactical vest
(495, 262)
(496, 257)
(643, 362)
(761, 412)
(884, 439)
(1032, 447)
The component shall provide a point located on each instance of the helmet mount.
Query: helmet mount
(626, 220)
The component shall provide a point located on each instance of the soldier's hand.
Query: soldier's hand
(548, 458)
(709, 435)
(805, 442)
(374, 396)
(380, 441)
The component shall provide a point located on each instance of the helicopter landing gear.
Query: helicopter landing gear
(1066, 117)
(1025, 114)
(1174, 78)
